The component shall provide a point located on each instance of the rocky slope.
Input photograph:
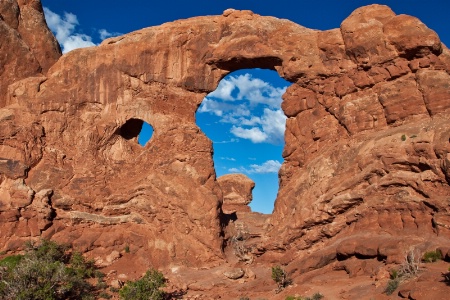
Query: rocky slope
(367, 165)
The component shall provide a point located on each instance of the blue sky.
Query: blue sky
(243, 116)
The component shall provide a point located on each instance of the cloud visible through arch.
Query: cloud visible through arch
(270, 166)
(251, 106)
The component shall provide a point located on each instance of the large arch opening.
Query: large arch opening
(244, 119)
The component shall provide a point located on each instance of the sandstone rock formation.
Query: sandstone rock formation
(236, 191)
(28, 46)
(367, 153)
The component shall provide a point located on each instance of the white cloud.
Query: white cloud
(76, 41)
(257, 91)
(233, 98)
(268, 128)
(273, 124)
(228, 158)
(223, 90)
(104, 34)
(254, 134)
(215, 107)
(253, 90)
(270, 166)
(227, 142)
(64, 30)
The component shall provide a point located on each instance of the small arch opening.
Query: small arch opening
(244, 120)
(136, 129)
(145, 134)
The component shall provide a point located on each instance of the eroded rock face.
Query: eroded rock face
(366, 154)
(28, 46)
(237, 192)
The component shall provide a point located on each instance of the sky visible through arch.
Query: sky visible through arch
(81, 23)
(243, 118)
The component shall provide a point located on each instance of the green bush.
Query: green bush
(316, 296)
(11, 261)
(393, 274)
(431, 256)
(46, 271)
(105, 295)
(392, 286)
(280, 277)
(146, 288)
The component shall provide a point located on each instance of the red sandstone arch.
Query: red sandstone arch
(347, 170)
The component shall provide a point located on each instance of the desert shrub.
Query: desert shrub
(104, 295)
(10, 261)
(83, 268)
(393, 274)
(431, 256)
(240, 249)
(45, 271)
(409, 268)
(315, 296)
(280, 277)
(392, 286)
(146, 288)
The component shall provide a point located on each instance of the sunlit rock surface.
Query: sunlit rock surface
(367, 164)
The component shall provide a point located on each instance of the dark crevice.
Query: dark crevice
(238, 63)
(433, 207)
(136, 129)
(130, 129)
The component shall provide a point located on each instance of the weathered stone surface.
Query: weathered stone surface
(234, 274)
(237, 192)
(366, 170)
(24, 32)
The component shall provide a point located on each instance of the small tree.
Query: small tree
(280, 277)
(146, 288)
(45, 272)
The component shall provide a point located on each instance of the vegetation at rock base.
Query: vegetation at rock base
(431, 256)
(409, 268)
(315, 296)
(280, 277)
(392, 286)
(146, 288)
(46, 271)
